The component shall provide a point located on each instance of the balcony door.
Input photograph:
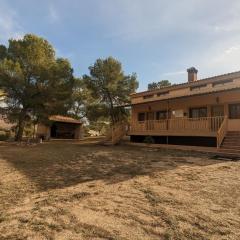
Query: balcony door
(217, 112)
(150, 121)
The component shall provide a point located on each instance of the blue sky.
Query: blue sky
(156, 39)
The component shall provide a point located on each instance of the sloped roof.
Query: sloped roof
(188, 84)
(235, 88)
(59, 118)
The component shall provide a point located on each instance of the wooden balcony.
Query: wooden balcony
(207, 126)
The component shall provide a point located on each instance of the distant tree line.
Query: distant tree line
(158, 85)
(37, 84)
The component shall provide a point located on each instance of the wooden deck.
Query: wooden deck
(208, 126)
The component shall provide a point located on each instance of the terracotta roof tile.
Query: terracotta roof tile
(59, 118)
(190, 95)
(186, 84)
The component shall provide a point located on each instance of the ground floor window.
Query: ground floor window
(161, 115)
(234, 111)
(178, 113)
(141, 117)
(198, 112)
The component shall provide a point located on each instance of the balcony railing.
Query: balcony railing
(205, 124)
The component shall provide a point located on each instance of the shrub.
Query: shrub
(3, 137)
(149, 140)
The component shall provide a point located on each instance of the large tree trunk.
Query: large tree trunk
(111, 108)
(21, 125)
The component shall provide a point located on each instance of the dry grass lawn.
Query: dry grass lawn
(70, 190)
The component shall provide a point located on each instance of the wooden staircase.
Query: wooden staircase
(117, 132)
(231, 143)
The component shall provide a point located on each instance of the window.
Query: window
(148, 96)
(199, 87)
(221, 83)
(160, 94)
(234, 111)
(198, 112)
(141, 117)
(179, 113)
(160, 115)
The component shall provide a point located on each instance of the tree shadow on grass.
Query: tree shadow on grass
(62, 164)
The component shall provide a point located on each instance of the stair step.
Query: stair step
(231, 140)
(231, 147)
(226, 140)
(233, 136)
(229, 151)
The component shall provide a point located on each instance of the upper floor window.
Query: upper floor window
(198, 112)
(148, 96)
(141, 117)
(160, 94)
(222, 82)
(199, 87)
(234, 111)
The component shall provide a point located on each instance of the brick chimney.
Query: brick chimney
(192, 74)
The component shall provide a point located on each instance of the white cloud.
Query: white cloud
(138, 19)
(218, 59)
(232, 49)
(174, 73)
(53, 14)
(9, 24)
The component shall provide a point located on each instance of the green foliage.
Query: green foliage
(109, 88)
(158, 85)
(3, 52)
(4, 136)
(36, 84)
(80, 100)
(99, 126)
(149, 140)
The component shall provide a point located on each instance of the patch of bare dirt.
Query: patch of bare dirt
(72, 190)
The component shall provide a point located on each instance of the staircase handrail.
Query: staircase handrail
(221, 133)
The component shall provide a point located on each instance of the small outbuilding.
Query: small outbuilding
(60, 127)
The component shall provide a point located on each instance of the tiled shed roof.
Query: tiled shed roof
(59, 118)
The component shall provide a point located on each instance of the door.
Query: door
(217, 113)
(150, 121)
(234, 117)
(54, 131)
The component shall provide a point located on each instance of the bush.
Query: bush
(149, 140)
(3, 137)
